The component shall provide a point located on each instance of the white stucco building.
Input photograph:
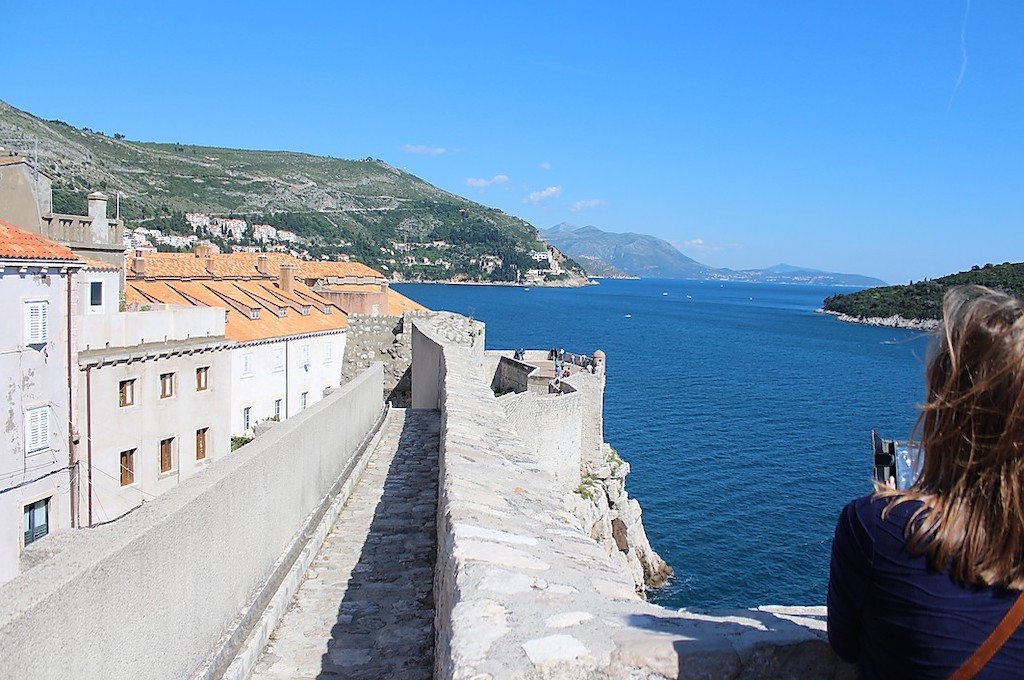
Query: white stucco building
(289, 341)
(155, 397)
(37, 456)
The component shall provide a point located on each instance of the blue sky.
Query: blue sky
(877, 137)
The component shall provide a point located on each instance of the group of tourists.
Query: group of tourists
(563, 360)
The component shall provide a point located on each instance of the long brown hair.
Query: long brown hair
(971, 430)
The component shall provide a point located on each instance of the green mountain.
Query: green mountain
(923, 299)
(637, 254)
(360, 208)
(650, 257)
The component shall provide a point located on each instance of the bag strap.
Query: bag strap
(993, 642)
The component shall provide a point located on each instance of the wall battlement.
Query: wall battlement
(521, 590)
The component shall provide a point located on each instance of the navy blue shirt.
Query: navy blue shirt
(895, 617)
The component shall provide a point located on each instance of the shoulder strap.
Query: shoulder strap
(993, 642)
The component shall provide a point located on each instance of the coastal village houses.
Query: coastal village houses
(287, 317)
(289, 341)
(37, 293)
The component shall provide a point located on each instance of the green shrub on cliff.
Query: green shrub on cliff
(923, 299)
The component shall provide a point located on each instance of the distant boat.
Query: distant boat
(526, 288)
(664, 293)
(689, 297)
(629, 316)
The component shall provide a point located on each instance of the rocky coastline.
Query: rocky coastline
(894, 321)
(613, 519)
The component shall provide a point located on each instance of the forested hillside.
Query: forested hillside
(923, 299)
(359, 208)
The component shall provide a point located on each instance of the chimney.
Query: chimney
(287, 280)
(97, 205)
(261, 263)
(138, 264)
(209, 264)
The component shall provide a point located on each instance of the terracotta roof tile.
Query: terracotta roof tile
(399, 304)
(237, 296)
(243, 265)
(19, 244)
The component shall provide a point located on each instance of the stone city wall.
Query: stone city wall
(379, 339)
(169, 590)
(550, 427)
(512, 376)
(521, 590)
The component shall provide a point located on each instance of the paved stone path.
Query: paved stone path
(366, 607)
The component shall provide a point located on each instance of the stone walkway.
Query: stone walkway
(366, 607)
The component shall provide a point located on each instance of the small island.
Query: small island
(919, 304)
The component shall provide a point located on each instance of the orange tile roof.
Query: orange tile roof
(399, 304)
(19, 244)
(238, 297)
(243, 265)
(354, 287)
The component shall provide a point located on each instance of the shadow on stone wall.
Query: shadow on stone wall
(385, 623)
(751, 644)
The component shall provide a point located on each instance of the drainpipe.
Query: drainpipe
(287, 411)
(88, 433)
(72, 445)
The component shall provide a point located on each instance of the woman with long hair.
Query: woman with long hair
(924, 580)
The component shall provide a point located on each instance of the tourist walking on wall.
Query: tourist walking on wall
(927, 581)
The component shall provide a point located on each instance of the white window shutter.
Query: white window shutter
(35, 323)
(37, 429)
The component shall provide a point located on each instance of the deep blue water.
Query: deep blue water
(745, 415)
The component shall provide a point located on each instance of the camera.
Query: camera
(894, 462)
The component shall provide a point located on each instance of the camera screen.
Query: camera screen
(895, 461)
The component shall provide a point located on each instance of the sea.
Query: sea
(745, 415)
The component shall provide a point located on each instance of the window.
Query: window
(37, 520)
(166, 385)
(127, 467)
(247, 363)
(246, 417)
(95, 293)
(202, 378)
(35, 323)
(201, 443)
(305, 355)
(328, 352)
(37, 429)
(305, 399)
(278, 359)
(277, 409)
(167, 454)
(126, 393)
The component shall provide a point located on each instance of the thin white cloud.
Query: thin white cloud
(424, 149)
(545, 165)
(697, 245)
(587, 204)
(480, 183)
(540, 197)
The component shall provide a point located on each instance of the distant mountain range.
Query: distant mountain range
(651, 257)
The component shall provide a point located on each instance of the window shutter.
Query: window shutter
(35, 323)
(37, 429)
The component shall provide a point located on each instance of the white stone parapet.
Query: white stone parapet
(521, 591)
